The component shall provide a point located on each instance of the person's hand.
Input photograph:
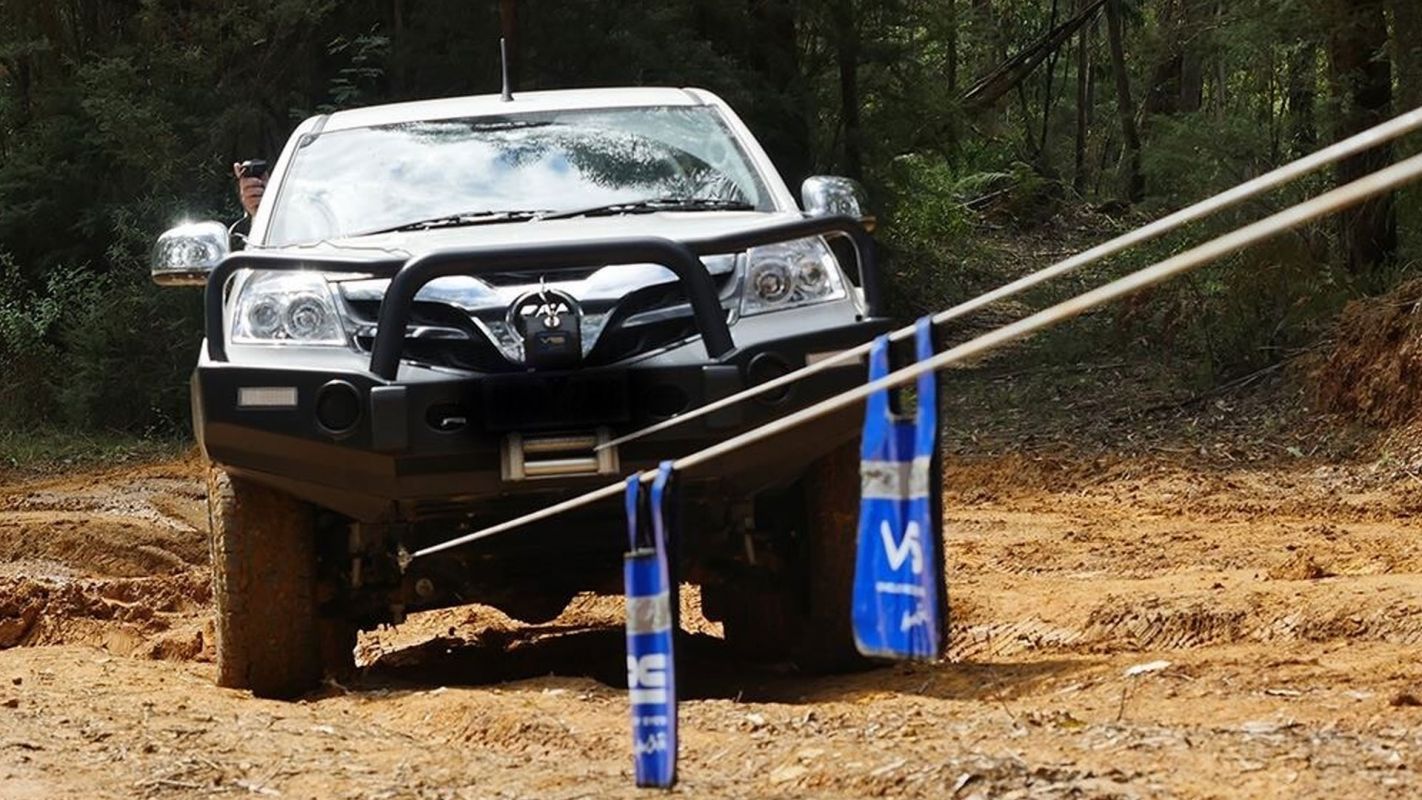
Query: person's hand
(249, 190)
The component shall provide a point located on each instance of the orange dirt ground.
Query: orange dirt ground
(1120, 629)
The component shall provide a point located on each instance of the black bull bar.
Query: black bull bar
(408, 276)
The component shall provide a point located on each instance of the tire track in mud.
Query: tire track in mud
(1055, 593)
(117, 560)
(147, 617)
(1152, 623)
(1152, 557)
(134, 523)
(1107, 569)
(1011, 615)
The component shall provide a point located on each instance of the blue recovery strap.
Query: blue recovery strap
(651, 630)
(898, 570)
(633, 497)
(666, 528)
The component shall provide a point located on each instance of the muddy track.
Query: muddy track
(1120, 629)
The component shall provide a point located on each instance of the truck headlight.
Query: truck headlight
(790, 274)
(286, 308)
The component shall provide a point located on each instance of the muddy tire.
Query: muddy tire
(270, 638)
(805, 617)
(831, 545)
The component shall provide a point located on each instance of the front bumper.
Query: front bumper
(408, 456)
(427, 443)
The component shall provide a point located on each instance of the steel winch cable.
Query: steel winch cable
(1351, 194)
(1387, 131)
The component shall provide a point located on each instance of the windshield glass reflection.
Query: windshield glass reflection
(349, 182)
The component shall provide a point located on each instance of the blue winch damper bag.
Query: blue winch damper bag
(898, 575)
(651, 628)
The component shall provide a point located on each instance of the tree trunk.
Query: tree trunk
(1178, 80)
(1125, 107)
(774, 54)
(1218, 66)
(1407, 37)
(952, 47)
(1362, 81)
(1192, 81)
(1083, 104)
(1192, 59)
(847, 58)
(397, 36)
(508, 25)
(951, 123)
(1043, 154)
(984, 29)
(24, 77)
(1009, 75)
(1303, 78)
(1163, 94)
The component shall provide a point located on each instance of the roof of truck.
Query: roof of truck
(491, 104)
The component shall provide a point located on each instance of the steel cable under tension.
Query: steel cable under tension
(1385, 132)
(1377, 183)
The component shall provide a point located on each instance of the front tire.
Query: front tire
(805, 616)
(832, 525)
(270, 637)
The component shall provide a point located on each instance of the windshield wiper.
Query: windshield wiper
(492, 217)
(458, 220)
(652, 205)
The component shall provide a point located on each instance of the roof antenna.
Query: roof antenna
(507, 95)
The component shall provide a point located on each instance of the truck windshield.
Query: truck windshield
(349, 182)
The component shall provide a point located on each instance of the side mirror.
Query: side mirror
(831, 195)
(186, 254)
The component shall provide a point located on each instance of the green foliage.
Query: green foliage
(51, 449)
(357, 80)
(1193, 156)
(1239, 315)
(928, 233)
(124, 359)
(117, 120)
(100, 352)
(30, 352)
(25, 320)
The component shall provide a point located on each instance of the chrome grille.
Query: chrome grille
(445, 334)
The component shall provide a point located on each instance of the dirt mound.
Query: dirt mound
(155, 617)
(1371, 372)
(133, 523)
(99, 544)
(1300, 567)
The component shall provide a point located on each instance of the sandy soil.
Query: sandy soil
(1120, 629)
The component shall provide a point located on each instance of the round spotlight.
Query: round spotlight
(666, 401)
(337, 407)
(764, 368)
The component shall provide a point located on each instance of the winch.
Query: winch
(550, 322)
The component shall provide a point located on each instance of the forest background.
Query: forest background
(974, 123)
